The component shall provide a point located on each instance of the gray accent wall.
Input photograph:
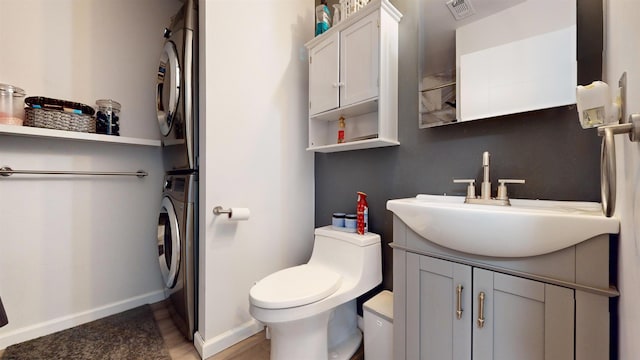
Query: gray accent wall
(548, 148)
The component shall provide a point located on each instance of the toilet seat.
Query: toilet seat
(295, 286)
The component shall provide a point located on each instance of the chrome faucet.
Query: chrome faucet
(485, 189)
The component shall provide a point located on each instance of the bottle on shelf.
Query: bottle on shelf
(336, 14)
(323, 18)
(341, 126)
(362, 213)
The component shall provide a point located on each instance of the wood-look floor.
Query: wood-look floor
(256, 347)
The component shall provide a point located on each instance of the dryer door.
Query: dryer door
(168, 87)
(168, 243)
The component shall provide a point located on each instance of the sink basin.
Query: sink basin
(526, 228)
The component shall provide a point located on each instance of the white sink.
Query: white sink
(526, 228)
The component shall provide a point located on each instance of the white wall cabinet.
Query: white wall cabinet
(353, 73)
(324, 75)
(464, 312)
(343, 68)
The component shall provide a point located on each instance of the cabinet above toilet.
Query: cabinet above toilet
(353, 74)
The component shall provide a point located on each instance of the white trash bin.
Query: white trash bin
(378, 327)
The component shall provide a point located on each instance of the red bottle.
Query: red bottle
(362, 213)
(341, 126)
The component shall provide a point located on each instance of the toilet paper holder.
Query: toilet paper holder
(234, 213)
(219, 210)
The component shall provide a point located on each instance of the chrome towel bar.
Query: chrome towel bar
(7, 171)
(608, 159)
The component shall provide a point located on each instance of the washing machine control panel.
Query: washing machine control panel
(177, 186)
(174, 185)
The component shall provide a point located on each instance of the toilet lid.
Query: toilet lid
(295, 286)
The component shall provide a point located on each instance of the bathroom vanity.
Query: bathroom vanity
(451, 304)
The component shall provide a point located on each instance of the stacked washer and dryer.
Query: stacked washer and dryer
(177, 105)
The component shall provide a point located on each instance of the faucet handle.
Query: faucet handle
(502, 187)
(471, 188)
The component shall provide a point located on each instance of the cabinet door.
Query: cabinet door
(523, 319)
(359, 60)
(438, 309)
(324, 75)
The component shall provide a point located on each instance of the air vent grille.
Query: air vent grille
(460, 8)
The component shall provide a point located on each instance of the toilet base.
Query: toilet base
(331, 335)
(301, 339)
(306, 348)
(346, 349)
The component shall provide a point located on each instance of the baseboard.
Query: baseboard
(228, 338)
(62, 323)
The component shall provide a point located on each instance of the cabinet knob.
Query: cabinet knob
(338, 84)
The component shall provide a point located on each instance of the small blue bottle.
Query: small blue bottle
(323, 18)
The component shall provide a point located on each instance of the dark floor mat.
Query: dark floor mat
(132, 334)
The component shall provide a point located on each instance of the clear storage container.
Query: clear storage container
(11, 105)
(108, 117)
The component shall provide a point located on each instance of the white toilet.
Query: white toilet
(311, 309)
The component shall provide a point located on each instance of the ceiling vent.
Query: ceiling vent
(460, 8)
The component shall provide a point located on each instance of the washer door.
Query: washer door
(168, 87)
(168, 243)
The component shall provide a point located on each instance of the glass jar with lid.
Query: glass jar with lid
(11, 105)
(108, 117)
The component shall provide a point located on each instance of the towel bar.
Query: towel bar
(7, 171)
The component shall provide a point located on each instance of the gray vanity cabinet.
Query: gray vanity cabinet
(434, 330)
(553, 306)
(523, 319)
(464, 312)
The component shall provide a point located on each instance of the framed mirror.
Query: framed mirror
(485, 58)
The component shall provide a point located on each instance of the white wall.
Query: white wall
(254, 86)
(623, 54)
(75, 249)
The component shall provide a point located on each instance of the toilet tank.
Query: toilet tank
(349, 253)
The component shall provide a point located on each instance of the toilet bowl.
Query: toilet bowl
(311, 309)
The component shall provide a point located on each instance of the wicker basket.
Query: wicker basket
(51, 114)
(350, 7)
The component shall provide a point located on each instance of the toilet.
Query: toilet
(310, 309)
